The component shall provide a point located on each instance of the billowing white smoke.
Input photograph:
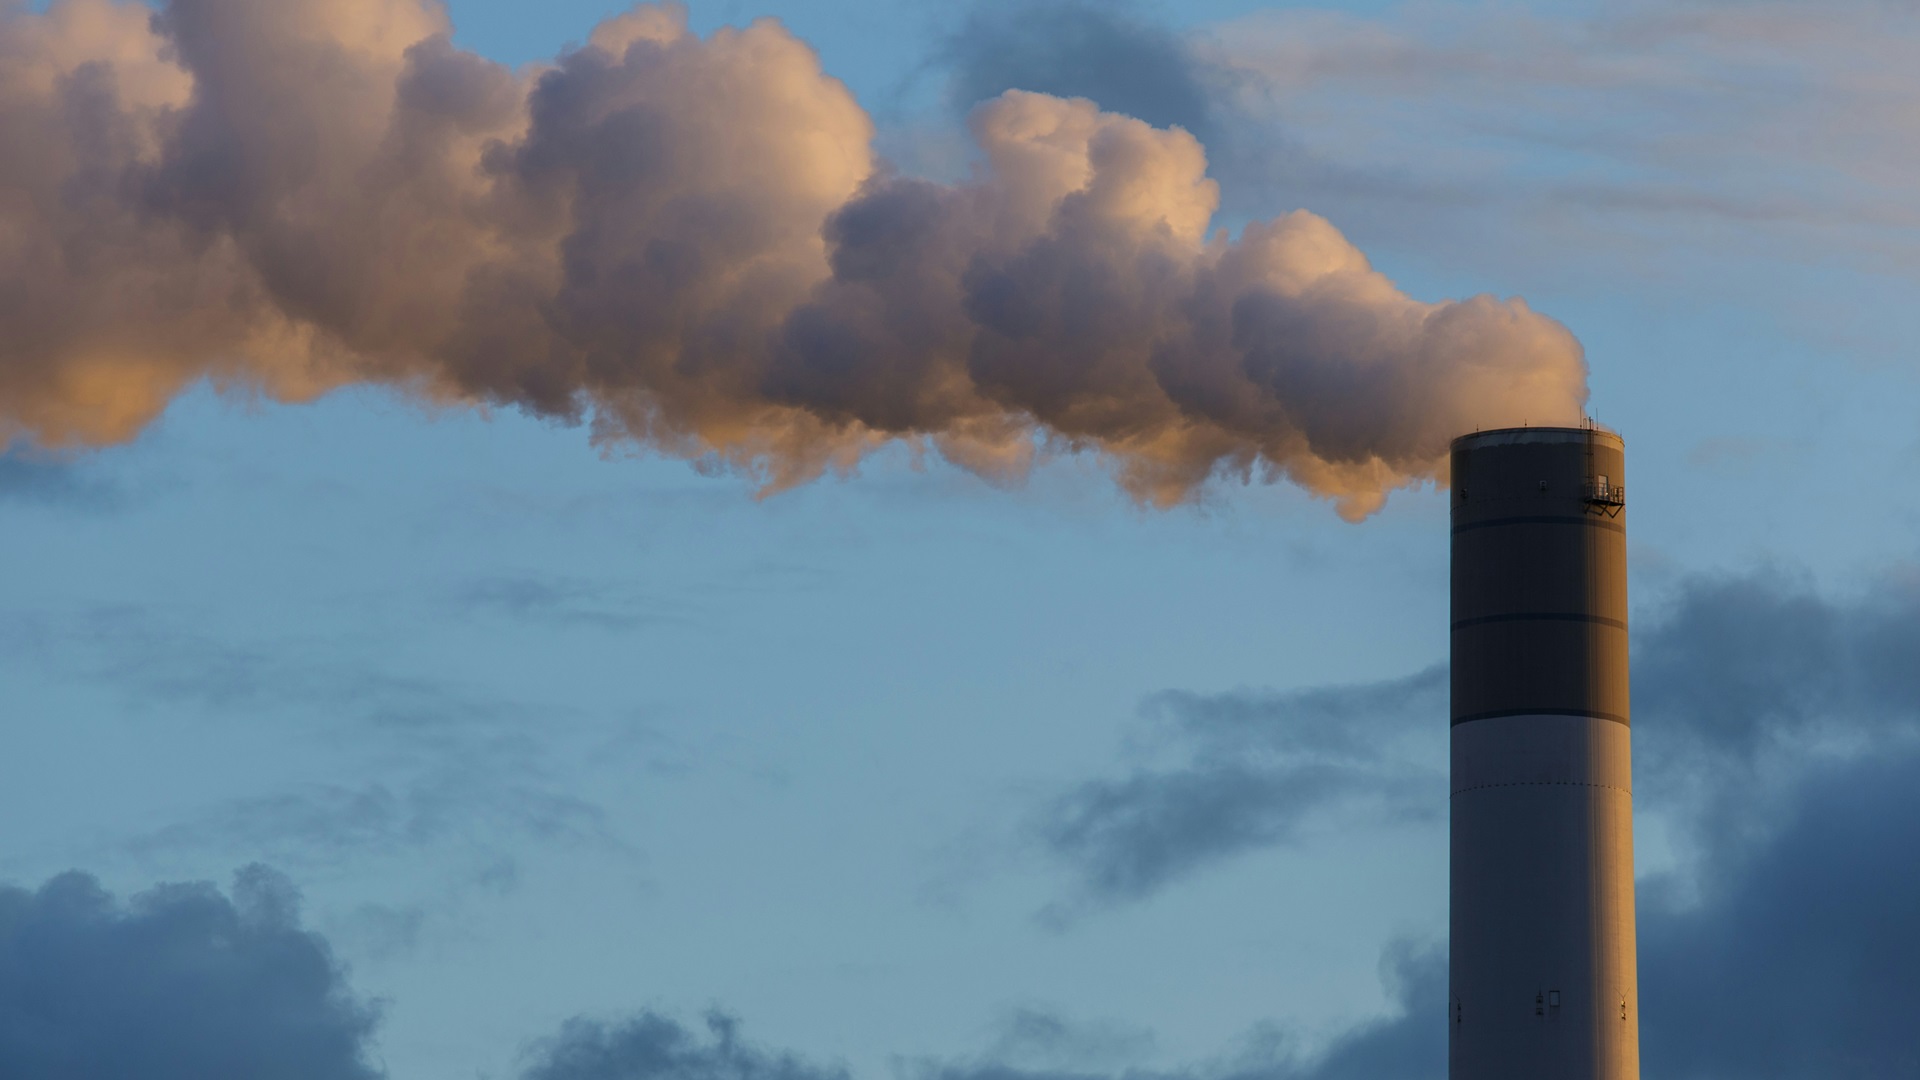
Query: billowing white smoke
(689, 243)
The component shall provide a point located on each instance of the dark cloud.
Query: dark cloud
(1731, 673)
(1797, 959)
(654, 1047)
(1776, 722)
(1774, 726)
(1409, 1042)
(1787, 956)
(180, 983)
(1125, 57)
(1793, 960)
(26, 478)
(1738, 682)
(651, 1046)
(1039, 1039)
(1108, 52)
(1783, 949)
(1255, 769)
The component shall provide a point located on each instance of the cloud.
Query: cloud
(1741, 683)
(654, 1047)
(27, 479)
(1608, 128)
(688, 243)
(383, 931)
(427, 764)
(1254, 770)
(1119, 56)
(1043, 1038)
(1734, 672)
(1794, 960)
(1037, 1047)
(1577, 140)
(1788, 956)
(1108, 53)
(179, 982)
(153, 660)
(1409, 1042)
(1777, 729)
(474, 811)
(1776, 721)
(554, 601)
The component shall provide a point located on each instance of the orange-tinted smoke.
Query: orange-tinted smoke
(689, 244)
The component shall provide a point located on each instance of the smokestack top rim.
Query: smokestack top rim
(1549, 434)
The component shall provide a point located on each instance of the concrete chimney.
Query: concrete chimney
(1543, 983)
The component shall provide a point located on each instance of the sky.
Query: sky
(406, 682)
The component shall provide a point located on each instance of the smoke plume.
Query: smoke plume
(688, 243)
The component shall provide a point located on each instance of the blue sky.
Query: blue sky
(542, 729)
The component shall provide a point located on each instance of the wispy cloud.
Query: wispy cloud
(27, 478)
(423, 764)
(1627, 131)
(1789, 957)
(1250, 770)
(185, 978)
(1110, 52)
(1741, 683)
(1039, 1038)
(655, 1046)
(1791, 961)
(475, 811)
(564, 602)
(1699, 122)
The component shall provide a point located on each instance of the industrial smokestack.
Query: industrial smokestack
(1543, 978)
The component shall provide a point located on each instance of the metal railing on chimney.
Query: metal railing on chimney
(1604, 498)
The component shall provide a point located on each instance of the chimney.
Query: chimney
(1543, 977)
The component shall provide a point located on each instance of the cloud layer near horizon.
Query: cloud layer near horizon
(1820, 906)
(1777, 741)
(1779, 949)
(690, 243)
